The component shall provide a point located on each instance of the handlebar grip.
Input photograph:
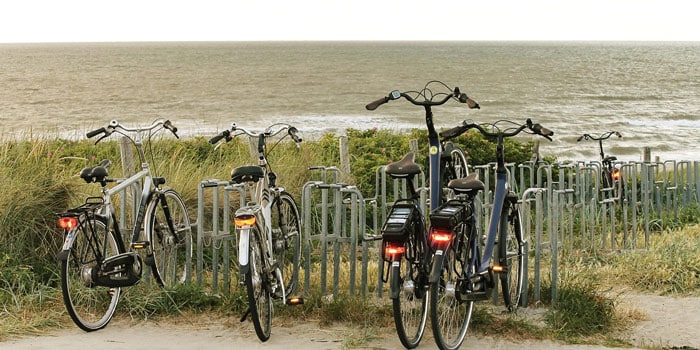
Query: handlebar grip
(218, 137)
(541, 130)
(293, 133)
(454, 132)
(373, 105)
(94, 133)
(472, 104)
(169, 125)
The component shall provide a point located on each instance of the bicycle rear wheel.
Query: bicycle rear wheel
(411, 305)
(90, 306)
(512, 254)
(170, 235)
(286, 240)
(449, 315)
(258, 286)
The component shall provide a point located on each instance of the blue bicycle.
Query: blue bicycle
(463, 266)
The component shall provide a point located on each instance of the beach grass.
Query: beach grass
(38, 178)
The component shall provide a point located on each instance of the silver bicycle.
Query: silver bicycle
(95, 261)
(268, 229)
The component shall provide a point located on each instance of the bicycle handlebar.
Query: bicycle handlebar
(428, 98)
(602, 136)
(114, 125)
(536, 129)
(235, 130)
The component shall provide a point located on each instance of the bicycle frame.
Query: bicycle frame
(501, 190)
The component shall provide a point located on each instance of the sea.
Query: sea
(649, 92)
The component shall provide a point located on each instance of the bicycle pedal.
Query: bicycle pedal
(140, 245)
(295, 301)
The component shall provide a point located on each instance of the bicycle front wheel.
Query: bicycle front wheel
(170, 234)
(258, 286)
(90, 306)
(449, 315)
(513, 255)
(286, 240)
(411, 305)
(456, 167)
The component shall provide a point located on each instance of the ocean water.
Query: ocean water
(649, 92)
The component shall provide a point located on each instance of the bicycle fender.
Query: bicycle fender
(438, 258)
(243, 244)
(395, 282)
(67, 245)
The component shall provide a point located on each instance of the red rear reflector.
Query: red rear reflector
(441, 236)
(67, 222)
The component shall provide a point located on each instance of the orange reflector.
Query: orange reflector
(138, 245)
(67, 222)
(497, 268)
(247, 220)
(295, 301)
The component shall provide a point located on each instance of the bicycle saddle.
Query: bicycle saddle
(403, 168)
(468, 183)
(609, 159)
(247, 173)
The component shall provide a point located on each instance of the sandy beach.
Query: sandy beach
(670, 323)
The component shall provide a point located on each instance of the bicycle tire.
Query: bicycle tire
(257, 286)
(449, 316)
(513, 255)
(90, 306)
(170, 235)
(456, 167)
(286, 240)
(410, 307)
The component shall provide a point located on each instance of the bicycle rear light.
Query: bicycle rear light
(391, 250)
(67, 222)
(440, 236)
(616, 174)
(245, 220)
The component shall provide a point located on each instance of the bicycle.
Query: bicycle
(611, 176)
(404, 233)
(462, 273)
(268, 229)
(95, 262)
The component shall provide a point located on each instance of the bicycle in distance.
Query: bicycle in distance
(464, 267)
(405, 245)
(268, 230)
(611, 176)
(95, 260)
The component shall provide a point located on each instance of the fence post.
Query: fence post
(344, 145)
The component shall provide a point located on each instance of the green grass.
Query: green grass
(38, 179)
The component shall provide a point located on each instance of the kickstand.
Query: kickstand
(245, 315)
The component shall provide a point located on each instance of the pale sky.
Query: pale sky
(236, 20)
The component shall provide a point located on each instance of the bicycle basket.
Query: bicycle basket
(398, 225)
(449, 215)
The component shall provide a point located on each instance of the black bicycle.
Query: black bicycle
(611, 176)
(405, 245)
